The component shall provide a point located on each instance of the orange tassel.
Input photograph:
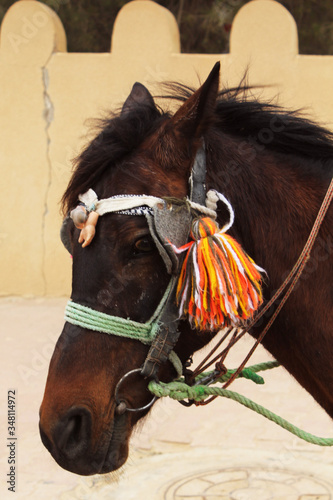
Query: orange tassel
(219, 284)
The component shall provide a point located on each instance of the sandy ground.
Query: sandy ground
(219, 452)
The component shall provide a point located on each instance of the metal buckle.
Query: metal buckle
(121, 405)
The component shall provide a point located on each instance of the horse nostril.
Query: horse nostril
(73, 432)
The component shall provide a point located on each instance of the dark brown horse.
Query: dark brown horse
(274, 167)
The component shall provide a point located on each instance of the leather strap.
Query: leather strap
(164, 341)
(198, 177)
(168, 334)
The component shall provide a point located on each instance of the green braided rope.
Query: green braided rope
(85, 317)
(178, 390)
(249, 373)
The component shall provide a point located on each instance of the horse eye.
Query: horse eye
(144, 245)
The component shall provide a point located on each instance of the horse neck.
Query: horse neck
(275, 199)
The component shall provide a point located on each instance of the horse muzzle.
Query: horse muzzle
(74, 447)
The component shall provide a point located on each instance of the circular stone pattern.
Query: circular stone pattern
(248, 484)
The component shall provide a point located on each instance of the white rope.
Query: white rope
(117, 203)
(204, 210)
(89, 199)
(213, 197)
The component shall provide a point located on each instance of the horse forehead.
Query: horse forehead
(142, 177)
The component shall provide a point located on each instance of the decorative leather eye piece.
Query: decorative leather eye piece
(144, 245)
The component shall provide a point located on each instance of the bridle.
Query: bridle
(166, 223)
(161, 331)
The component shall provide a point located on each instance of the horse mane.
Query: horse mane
(241, 114)
(237, 113)
(280, 130)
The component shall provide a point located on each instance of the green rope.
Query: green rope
(179, 390)
(249, 373)
(85, 317)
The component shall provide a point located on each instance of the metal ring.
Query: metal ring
(118, 401)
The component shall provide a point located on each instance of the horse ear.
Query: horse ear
(139, 96)
(194, 116)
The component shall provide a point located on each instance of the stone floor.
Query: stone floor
(219, 452)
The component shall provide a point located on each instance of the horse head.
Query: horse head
(85, 419)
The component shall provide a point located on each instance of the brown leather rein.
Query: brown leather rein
(287, 286)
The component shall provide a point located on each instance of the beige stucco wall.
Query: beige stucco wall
(47, 95)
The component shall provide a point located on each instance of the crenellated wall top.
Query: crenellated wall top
(31, 32)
